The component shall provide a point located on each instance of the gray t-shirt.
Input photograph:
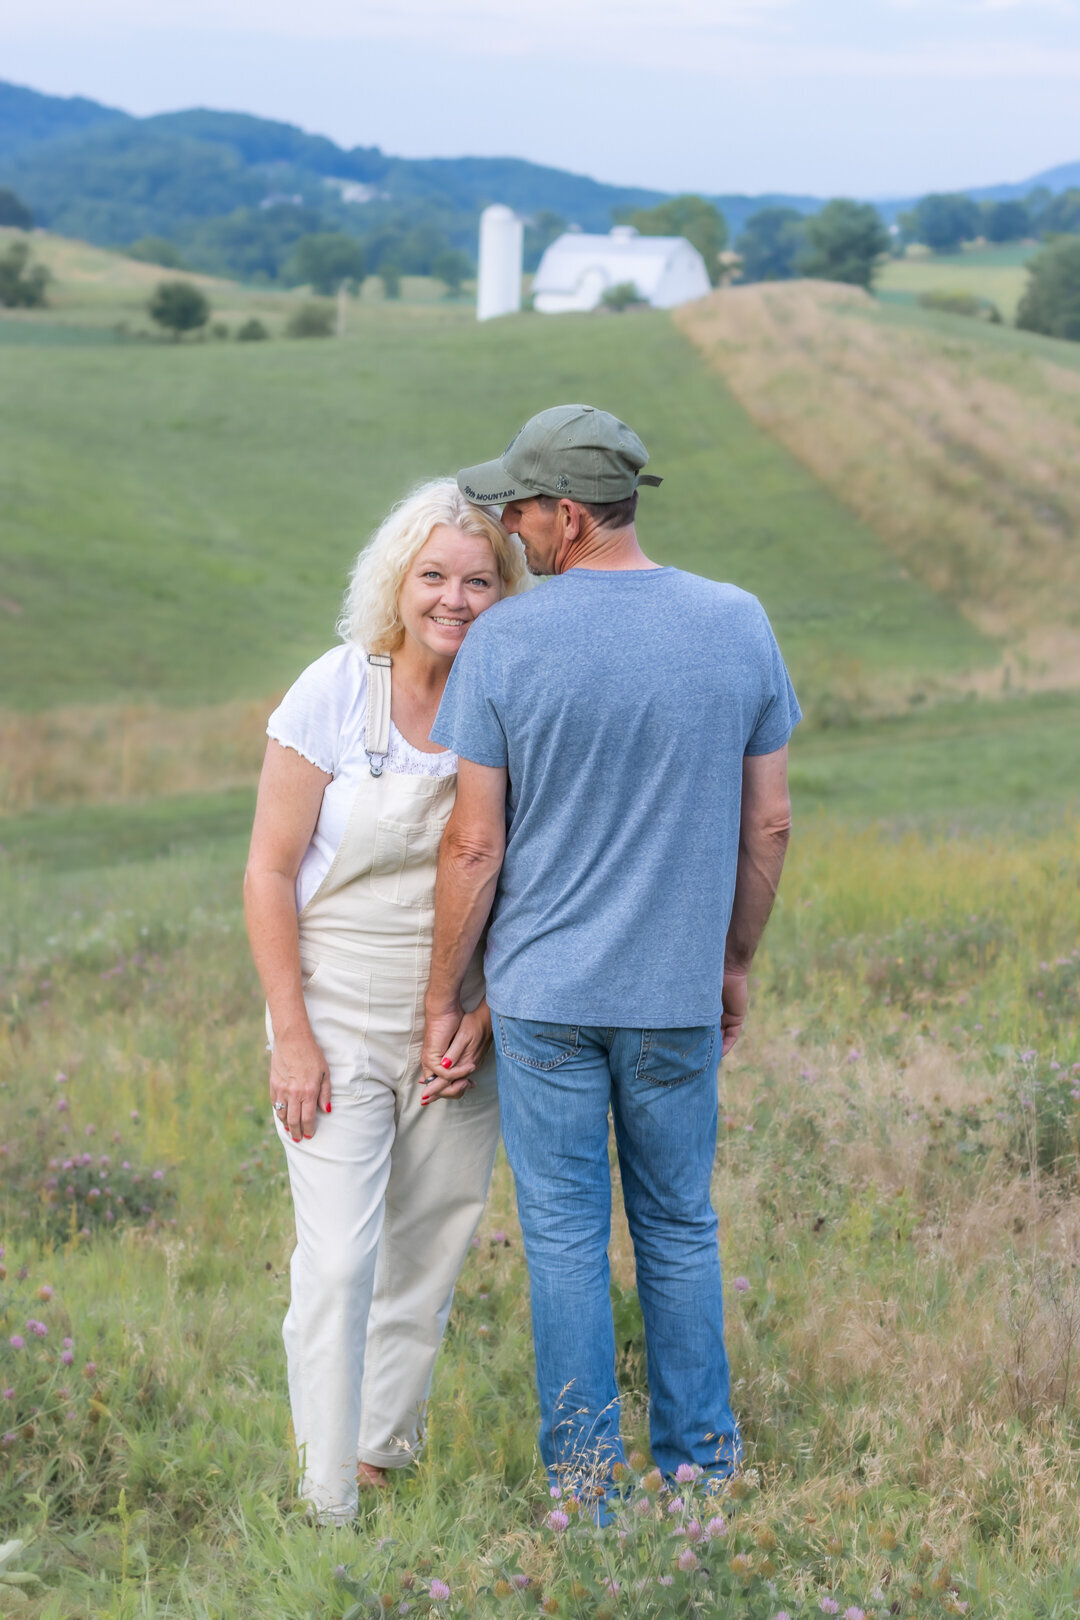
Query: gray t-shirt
(622, 704)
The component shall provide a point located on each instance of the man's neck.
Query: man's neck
(608, 550)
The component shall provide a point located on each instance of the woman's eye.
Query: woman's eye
(431, 573)
(482, 583)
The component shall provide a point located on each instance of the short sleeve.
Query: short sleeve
(468, 721)
(311, 717)
(779, 712)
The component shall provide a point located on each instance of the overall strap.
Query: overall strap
(377, 740)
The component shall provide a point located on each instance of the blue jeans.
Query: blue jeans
(556, 1084)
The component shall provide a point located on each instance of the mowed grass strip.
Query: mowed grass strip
(180, 519)
(998, 274)
(958, 448)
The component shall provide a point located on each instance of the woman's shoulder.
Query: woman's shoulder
(317, 713)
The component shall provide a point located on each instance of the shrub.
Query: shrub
(20, 287)
(1051, 301)
(325, 259)
(390, 276)
(179, 306)
(311, 321)
(156, 250)
(252, 331)
(961, 303)
(624, 295)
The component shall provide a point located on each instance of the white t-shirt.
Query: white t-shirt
(323, 717)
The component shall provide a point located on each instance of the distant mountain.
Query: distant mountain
(27, 117)
(234, 192)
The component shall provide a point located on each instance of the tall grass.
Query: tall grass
(901, 1259)
(957, 450)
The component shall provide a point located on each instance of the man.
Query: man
(622, 813)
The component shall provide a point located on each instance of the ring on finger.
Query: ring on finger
(280, 1107)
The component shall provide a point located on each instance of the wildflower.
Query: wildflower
(688, 1559)
(90, 1369)
(829, 1606)
(854, 1614)
(782, 1615)
(45, 1292)
(520, 1581)
(742, 1285)
(652, 1481)
(643, 1505)
(16, 1341)
(665, 1580)
(675, 1505)
(611, 1588)
(89, 1131)
(693, 1530)
(68, 1343)
(61, 1105)
(686, 1473)
(9, 1439)
(557, 1519)
(854, 1055)
(715, 1527)
(741, 1564)
(1029, 1055)
(67, 1357)
(159, 1175)
(339, 1570)
(438, 1590)
(135, 1115)
(9, 1394)
(555, 1491)
(498, 1237)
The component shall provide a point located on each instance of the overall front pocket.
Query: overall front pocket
(338, 1002)
(404, 859)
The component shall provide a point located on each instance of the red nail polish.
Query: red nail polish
(446, 1063)
(328, 1108)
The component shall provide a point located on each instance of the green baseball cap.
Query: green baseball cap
(574, 451)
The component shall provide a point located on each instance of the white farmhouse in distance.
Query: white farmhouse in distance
(577, 270)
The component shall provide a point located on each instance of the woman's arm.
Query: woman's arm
(290, 796)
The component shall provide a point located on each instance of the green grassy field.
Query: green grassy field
(995, 273)
(897, 1179)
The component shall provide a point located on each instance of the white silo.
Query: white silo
(498, 290)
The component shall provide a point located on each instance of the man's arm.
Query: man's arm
(470, 859)
(764, 830)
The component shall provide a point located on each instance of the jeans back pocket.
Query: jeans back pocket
(537, 1045)
(669, 1057)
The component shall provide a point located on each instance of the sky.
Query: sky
(869, 98)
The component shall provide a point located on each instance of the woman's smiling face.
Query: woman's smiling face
(452, 578)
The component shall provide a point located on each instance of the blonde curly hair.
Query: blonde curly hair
(369, 614)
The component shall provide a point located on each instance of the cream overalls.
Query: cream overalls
(387, 1194)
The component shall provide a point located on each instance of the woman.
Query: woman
(339, 894)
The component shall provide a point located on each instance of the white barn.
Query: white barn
(577, 270)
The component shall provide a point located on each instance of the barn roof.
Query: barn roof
(624, 255)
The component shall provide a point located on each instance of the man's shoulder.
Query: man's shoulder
(715, 593)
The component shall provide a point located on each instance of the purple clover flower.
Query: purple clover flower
(17, 1341)
(829, 1605)
(439, 1590)
(686, 1473)
(742, 1285)
(557, 1519)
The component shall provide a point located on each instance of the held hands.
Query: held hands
(299, 1078)
(454, 1043)
(735, 1002)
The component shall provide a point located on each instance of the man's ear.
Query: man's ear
(571, 516)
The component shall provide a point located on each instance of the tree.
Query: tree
(157, 250)
(179, 306)
(1051, 301)
(326, 259)
(21, 288)
(771, 244)
(703, 225)
(451, 267)
(844, 243)
(945, 220)
(13, 211)
(1061, 214)
(390, 276)
(540, 232)
(1006, 221)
